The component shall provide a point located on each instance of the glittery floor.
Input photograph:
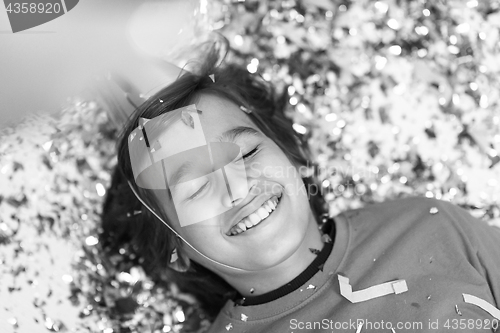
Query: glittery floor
(395, 99)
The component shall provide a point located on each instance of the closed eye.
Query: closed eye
(251, 153)
(204, 186)
(197, 193)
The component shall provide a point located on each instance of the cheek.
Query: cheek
(207, 239)
(288, 176)
(168, 207)
(166, 204)
(274, 164)
(279, 171)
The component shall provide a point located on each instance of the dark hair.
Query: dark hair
(152, 240)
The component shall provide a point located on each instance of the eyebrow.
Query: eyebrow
(180, 173)
(235, 133)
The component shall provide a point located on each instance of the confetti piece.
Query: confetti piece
(100, 189)
(244, 317)
(326, 238)
(229, 327)
(311, 286)
(174, 256)
(314, 251)
(482, 304)
(457, 310)
(46, 146)
(212, 77)
(244, 109)
(142, 122)
(240, 301)
(135, 212)
(91, 240)
(393, 287)
(360, 326)
(156, 146)
(180, 316)
(187, 118)
(324, 218)
(433, 210)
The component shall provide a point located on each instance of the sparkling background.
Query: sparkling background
(396, 98)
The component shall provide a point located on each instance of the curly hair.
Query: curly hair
(152, 241)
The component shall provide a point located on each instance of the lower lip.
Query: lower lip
(249, 231)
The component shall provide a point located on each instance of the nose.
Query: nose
(236, 201)
(238, 190)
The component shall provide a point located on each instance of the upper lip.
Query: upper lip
(250, 208)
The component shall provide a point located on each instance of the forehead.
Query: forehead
(217, 116)
(181, 136)
(220, 115)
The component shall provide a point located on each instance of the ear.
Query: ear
(179, 261)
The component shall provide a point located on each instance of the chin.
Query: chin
(282, 248)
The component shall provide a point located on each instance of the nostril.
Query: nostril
(235, 202)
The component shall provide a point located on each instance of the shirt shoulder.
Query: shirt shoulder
(405, 211)
(417, 220)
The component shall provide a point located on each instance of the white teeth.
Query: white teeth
(256, 217)
(248, 223)
(271, 203)
(262, 212)
(269, 209)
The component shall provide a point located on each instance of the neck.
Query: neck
(279, 275)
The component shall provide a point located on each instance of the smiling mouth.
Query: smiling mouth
(256, 217)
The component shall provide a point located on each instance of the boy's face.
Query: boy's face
(264, 192)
